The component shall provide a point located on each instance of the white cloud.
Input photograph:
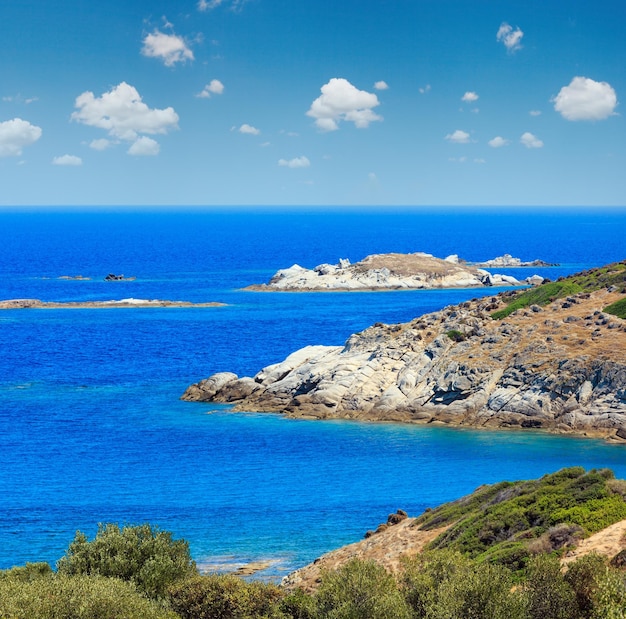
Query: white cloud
(209, 5)
(458, 137)
(340, 100)
(214, 87)
(297, 162)
(381, 85)
(67, 160)
(101, 144)
(531, 141)
(498, 142)
(249, 129)
(122, 113)
(469, 97)
(535, 112)
(144, 147)
(15, 135)
(425, 89)
(169, 48)
(509, 37)
(586, 99)
(479, 161)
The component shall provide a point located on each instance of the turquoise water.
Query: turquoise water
(91, 427)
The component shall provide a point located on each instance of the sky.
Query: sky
(313, 102)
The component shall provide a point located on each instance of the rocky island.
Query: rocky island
(551, 357)
(121, 303)
(396, 272)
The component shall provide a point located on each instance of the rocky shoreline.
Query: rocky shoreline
(11, 304)
(560, 368)
(397, 272)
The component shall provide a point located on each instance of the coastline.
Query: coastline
(13, 304)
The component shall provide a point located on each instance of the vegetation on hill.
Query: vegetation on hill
(143, 573)
(508, 522)
(586, 281)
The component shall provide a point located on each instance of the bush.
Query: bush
(455, 335)
(224, 597)
(610, 597)
(360, 590)
(617, 309)
(548, 594)
(446, 585)
(299, 605)
(146, 556)
(28, 572)
(75, 597)
(584, 576)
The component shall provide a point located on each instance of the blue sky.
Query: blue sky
(313, 102)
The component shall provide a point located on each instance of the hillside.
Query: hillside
(571, 513)
(552, 357)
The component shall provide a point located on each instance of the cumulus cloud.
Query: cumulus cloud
(15, 135)
(509, 37)
(340, 100)
(144, 147)
(531, 141)
(586, 99)
(101, 144)
(169, 48)
(458, 137)
(498, 142)
(535, 112)
(214, 87)
(297, 162)
(381, 85)
(122, 113)
(248, 129)
(67, 160)
(470, 97)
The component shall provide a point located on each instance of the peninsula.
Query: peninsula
(551, 357)
(396, 272)
(122, 303)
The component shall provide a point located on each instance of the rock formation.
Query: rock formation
(561, 367)
(38, 304)
(387, 272)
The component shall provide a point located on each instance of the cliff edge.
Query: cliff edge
(552, 358)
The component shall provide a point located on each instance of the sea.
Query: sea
(92, 428)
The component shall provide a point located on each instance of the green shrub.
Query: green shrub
(446, 585)
(299, 605)
(30, 571)
(360, 590)
(75, 597)
(224, 597)
(548, 594)
(610, 596)
(584, 576)
(617, 309)
(541, 295)
(455, 335)
(504, 522)
(144, 555)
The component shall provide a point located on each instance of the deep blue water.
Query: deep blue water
(91, 427)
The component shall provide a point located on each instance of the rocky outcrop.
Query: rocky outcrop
(561, 367)
(510, 262)
(386, 272)
(122, 303)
